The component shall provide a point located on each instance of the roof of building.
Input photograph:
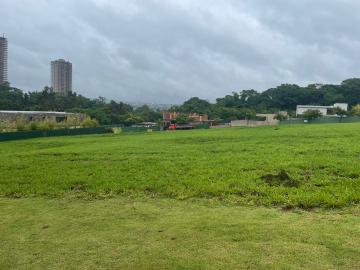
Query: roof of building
(35, 112)
(315, 106)
(265, 114)
(325, 107)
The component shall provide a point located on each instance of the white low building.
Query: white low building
(301, 109)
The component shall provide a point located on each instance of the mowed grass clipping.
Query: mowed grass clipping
(292, 166)
(124, 233)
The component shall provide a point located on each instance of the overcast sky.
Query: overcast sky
(165, 51)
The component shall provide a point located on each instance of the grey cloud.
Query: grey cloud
(165, 51)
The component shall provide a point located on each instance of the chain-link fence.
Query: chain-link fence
(20, 135)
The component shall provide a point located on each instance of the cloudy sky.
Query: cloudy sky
(165, 51)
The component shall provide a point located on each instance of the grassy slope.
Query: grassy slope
(227, 164)
(41, 233)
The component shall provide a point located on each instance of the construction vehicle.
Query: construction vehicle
(171, 125)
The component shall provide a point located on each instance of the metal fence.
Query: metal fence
(321, 120)
(202, 126)
(21, 135)
(139, 129)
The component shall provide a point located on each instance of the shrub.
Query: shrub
(5, 126)
(20, 124)
(47, 124)
(72, 121)
(33, 126)
(88, 122)
(116, 130)
(356, 110)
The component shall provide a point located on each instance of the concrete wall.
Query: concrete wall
(13, 116)
(253, 123)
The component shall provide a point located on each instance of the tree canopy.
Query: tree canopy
(238, 105)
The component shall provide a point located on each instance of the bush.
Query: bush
(356, 110)
(20, 124)
(5, 126)
(33, 126)
(72, 121)
(89, 123)
(48, 124)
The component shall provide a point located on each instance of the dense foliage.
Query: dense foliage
(244, 104)
(312, 114)
(105, 112)
(238, 105)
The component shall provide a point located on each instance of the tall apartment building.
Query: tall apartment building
(3, 61)
(61, 76)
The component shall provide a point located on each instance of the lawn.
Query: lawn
(264, 198)
(304, 166)
(123, 233)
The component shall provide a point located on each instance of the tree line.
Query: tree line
(104, 112)
(245, 104)
(238, 105)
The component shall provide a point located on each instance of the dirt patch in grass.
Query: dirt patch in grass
(79, 186)
(280, 179)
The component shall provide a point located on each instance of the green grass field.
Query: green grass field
(296, 166)
(265, 198)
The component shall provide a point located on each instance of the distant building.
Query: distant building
(193, 117)
(3, 61)
(268, 120)
(301, 109)
(168, 116)
(61, 76)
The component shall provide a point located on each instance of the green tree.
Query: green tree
(182, 119)
(11, 98)
(148, 114)
(312, 115)
(280, 117)
(356, 110)
(132, 119)
(196, 105)
(351, 91)
(340, 112)
(248, 114)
